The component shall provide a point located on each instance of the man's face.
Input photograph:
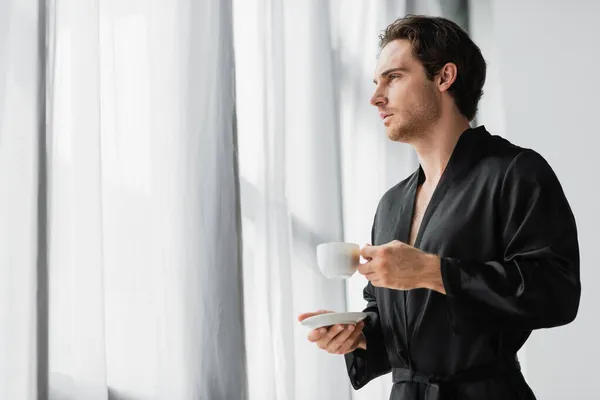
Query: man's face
(407, 101)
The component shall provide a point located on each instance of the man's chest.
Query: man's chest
(423, 196)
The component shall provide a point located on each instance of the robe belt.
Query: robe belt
(440, 387)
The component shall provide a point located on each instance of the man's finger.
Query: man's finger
(366, 268)
(368, 252)
(316, 334)
(303, 316)
(340, 339)
(332, 332)
(351, 343)
(352, 339)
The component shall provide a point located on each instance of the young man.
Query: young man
(472, 252)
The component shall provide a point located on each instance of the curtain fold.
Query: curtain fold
(76, 341)
(313, 186)
(21, 125)
(290, 192)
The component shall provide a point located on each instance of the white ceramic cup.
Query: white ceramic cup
(338, 259)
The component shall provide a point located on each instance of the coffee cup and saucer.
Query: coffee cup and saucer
(336, 260)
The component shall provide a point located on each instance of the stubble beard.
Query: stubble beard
(418, 121)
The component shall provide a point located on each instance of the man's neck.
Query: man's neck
(436, 147)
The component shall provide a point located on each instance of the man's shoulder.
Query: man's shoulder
(501, 154)
(500, 149)
(508, 163)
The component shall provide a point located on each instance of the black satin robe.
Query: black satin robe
(507, 239)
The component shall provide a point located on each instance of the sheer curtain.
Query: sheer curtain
(291, 201)
(21, 143)
(144, 295)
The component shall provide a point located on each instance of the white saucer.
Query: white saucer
(329, 319)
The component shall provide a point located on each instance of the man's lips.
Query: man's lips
(384, 115)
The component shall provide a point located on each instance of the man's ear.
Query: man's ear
(447, 76)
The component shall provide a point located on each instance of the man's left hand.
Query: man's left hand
(396, 265)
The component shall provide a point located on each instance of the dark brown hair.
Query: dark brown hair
(437, 41)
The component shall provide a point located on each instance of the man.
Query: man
(472, 252)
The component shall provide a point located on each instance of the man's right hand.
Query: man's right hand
(337, 339)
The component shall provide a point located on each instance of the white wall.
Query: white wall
(543, 94)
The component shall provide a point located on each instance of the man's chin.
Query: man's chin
(398, 136)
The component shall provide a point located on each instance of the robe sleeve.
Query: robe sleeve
(536, 282)
(366, 365)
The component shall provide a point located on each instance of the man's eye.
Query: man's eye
(392, 77)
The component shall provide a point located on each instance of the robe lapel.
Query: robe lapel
(464, 155)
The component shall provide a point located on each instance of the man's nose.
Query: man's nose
(378, 98)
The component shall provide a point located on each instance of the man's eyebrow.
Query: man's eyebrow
(389, 71)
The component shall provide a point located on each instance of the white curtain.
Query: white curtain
(289, 172)
(21, 128)
(143, 271)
